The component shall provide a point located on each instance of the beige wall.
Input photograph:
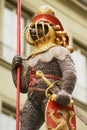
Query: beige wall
(7, 88)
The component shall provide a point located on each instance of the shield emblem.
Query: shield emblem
(59, 117)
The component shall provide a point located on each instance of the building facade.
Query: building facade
(73, 16)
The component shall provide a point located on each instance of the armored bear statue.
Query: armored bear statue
(51, 55)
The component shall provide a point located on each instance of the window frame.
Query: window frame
(7, 107)
(80, 44)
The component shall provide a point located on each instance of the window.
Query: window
(8, 46)
(7, 122)
(7, 117)
(80, 59)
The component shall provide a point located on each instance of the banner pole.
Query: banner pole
(18, 70)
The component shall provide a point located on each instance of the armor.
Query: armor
(51, 56)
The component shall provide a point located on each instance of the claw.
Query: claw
(70, 103)
(53, 97)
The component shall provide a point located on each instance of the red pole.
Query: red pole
(18, 70)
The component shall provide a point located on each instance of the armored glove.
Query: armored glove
(17, 61)
(63, 98)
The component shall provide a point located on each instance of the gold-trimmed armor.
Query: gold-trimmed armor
(51, 57)
(46, 31)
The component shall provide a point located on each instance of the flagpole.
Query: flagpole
(18, 70)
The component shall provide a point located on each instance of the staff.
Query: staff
(18, 70)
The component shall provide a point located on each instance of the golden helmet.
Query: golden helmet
(44, 26)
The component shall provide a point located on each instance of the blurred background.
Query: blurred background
(73, 16)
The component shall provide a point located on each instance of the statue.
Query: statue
(49, 71)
